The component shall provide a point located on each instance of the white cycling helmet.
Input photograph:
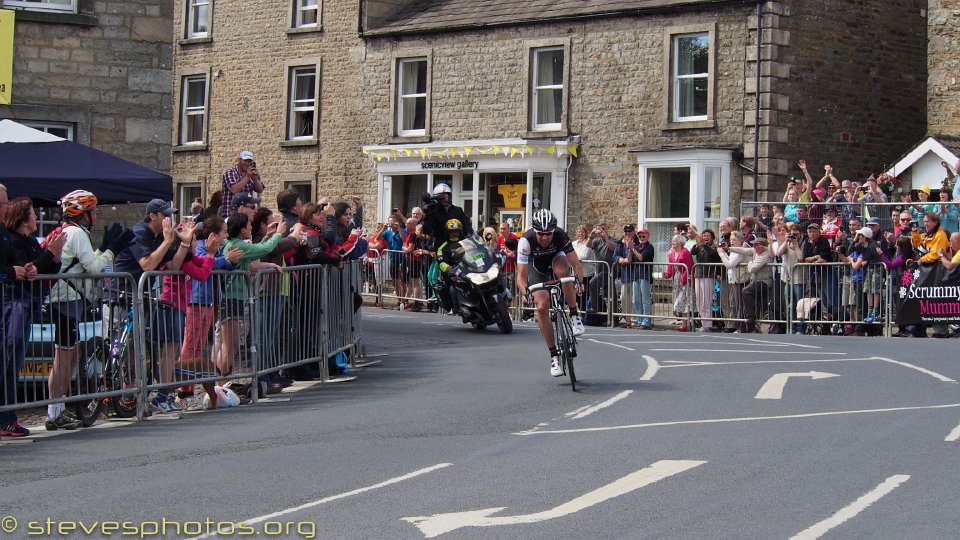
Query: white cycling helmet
(543, 221)
(441, 188)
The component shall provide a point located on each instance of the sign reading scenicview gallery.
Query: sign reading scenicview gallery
(449, 165)
(6, 56)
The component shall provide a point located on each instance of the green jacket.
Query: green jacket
(236, 285)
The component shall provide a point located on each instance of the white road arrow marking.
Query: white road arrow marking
(773, 388)
(438, 524)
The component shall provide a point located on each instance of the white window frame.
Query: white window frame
(46, 127)
(190, 19)
(536, 88)
(677, 79)
(185, 112)
(302, 7)
(41, 5)
(295, 106)
(184, 202)
(697, 161)
(403, 99)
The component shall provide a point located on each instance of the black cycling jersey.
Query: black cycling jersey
(529, 250)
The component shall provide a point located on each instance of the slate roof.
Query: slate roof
(438, 15)
(949, 142)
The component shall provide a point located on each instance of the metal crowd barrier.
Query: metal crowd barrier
(654, 295)
(403, 279)
(95, 362)
(135, 338)
(831, 299)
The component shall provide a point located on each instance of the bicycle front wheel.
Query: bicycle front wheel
(564, 337)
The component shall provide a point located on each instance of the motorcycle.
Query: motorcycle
(481, 294)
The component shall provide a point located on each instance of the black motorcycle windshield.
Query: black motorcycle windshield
(476, 256)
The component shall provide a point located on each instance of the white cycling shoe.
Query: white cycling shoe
(577, 323)
(555, 370)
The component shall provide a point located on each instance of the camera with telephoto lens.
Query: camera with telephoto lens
(431, 203)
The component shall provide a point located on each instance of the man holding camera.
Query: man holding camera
(439, 210)
(241, 178)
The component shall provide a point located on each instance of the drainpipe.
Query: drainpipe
(756, 116)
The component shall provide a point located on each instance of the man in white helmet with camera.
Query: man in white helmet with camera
(439, 210)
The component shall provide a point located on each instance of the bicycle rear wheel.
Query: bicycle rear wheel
(90, 380)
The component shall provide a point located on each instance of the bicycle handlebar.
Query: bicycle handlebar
(551, 283)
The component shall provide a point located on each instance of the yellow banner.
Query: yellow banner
(6, 56)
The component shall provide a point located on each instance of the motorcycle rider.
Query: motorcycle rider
(545, 251)
(448, 255)
(439, 211)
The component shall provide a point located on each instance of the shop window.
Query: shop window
(404, 191)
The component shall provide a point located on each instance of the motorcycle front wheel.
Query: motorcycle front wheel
(504, 323)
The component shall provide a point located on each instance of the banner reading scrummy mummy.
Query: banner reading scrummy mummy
(928, 295)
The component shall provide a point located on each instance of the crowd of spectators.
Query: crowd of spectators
(236, 231)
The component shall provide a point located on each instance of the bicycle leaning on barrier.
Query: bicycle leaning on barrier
(566, 341)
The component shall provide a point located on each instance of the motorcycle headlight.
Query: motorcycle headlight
(479, 278)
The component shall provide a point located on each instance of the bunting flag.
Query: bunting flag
(513, 150)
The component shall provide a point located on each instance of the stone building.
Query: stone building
(649, 111)
(943, 61)
(923, 163)
(95, 72)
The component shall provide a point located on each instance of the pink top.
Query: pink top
(176, 288)
(683, 257)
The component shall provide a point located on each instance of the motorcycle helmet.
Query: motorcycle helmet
(77, 202)
(544, 221)
(441, 188)
(454, 229)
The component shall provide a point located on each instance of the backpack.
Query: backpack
(48, 284)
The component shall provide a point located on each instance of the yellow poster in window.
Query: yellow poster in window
(6, 56)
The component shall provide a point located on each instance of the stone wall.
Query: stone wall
(853, 74)
(106, 69)
(943, 90)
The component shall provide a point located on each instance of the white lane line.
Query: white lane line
(933, 374)
(688, 363)
(611, 344)
(652, 368)
(686, 342)
(438, 524)
(743, 351)
(849, 512)
(332, 498)
(767, 342)
(740, 419)
(954, 435)
(600, 406)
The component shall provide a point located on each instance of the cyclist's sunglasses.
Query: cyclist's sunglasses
(544, 233)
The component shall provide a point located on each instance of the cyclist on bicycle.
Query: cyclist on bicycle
(545, 251)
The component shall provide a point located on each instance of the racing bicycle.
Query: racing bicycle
(563, 336)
